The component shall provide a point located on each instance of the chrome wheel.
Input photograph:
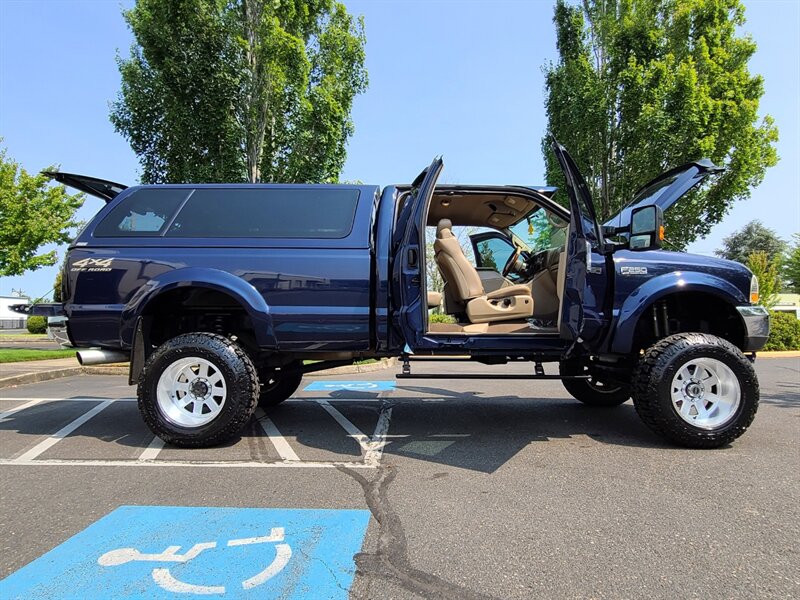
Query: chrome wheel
(705, 393)
(191, 392)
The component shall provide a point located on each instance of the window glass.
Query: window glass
(267, 213)
(493, 253)
(144, 213)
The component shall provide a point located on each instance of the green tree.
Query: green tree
(768, 272)
(791, 271)
(644, 85)
(240, 90)
(32, 214)
(753, 237)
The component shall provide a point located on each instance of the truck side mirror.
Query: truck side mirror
(647, 228)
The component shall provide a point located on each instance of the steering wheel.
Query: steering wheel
(512, 260)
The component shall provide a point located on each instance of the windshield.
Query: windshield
(539, 231)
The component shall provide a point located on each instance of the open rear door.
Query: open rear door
(584, 235)
(99, 188)
(408, 274)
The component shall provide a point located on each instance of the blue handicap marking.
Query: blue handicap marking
(351, 386)
(160, 552)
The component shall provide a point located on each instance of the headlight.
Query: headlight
(754, 290)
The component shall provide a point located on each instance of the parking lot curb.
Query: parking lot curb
(38, 376)
(382, 364)
(122, 369)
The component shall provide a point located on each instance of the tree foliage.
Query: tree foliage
(768, 272)
(32, 214)
(753, 237)
(240, 90)
(644, 85)
(791, 270)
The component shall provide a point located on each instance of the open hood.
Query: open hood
(99, 188)
(666, 189)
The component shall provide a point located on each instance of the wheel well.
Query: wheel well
(189, 309)
(688, 312)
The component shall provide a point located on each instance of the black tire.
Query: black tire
(592, 392)
(653, 390)
(277, 386)
(240, 382)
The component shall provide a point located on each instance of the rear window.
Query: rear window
(144, 213)
(267, 213)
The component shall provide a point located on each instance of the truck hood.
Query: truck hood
(666, 189)
(729, 270)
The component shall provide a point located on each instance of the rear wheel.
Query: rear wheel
(592, 392)
(696, 390)
(197, 390)
(277, 386)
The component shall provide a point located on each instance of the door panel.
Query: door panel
(408, 274)
(584, 233)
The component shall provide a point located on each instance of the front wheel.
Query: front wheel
(197, 390)
(593, 392)
(696, 390)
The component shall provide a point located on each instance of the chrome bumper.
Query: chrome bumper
(756, 327)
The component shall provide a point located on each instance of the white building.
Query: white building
(9, 319)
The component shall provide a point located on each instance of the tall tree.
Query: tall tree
(644, 85)
(792, 266)
(768, 272)
(240, 90)
(753, 237)
(32, 214)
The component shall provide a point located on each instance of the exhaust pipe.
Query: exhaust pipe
(96, 356)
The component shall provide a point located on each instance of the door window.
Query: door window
(493, 253)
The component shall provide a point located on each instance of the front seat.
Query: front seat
(506, 304)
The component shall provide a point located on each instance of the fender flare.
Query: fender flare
(221, 281)
(678, 282)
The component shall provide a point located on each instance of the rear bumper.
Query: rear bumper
(57, 331)
(756, 327)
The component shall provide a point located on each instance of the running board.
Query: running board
(484, 376)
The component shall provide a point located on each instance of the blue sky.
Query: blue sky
(461, 79)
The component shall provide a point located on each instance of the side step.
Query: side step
(537, 374)
(485, 376)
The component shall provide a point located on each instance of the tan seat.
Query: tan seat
(505, 304)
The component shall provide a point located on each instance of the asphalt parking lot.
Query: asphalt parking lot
(475, 488)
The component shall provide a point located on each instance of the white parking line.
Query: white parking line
(378, 442)
(303, 464)
(11, 411)
(281, 445)
(371, 447)
(62, 433)
(151, 452)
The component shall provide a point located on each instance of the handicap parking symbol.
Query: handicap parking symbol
(350, 386)
(160, 552)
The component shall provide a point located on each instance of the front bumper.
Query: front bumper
(756, 327)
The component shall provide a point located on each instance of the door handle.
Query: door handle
(412, 257)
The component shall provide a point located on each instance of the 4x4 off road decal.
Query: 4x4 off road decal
(92, 264)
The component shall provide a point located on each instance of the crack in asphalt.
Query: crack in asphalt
(390, 559)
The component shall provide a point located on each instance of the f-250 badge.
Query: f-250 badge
(92, 264)
(633, 270)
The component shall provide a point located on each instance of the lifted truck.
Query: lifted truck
(220, 294)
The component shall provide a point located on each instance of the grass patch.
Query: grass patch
(9, 355)
(22, 336)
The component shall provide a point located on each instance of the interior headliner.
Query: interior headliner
(498, 211)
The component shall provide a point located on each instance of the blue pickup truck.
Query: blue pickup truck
(222, 295)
